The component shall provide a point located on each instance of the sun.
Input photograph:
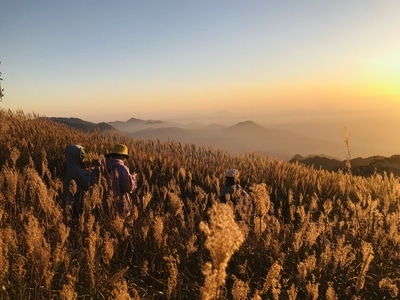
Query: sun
(383, 77)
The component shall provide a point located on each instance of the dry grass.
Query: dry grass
(308, 234)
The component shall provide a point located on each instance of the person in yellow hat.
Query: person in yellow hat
(123, 181)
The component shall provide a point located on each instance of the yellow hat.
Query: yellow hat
(120, 149)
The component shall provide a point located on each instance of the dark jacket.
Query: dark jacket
(77, 180)
(232, 193)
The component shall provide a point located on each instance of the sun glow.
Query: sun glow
(383, 76)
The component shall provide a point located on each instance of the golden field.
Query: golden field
(309, 234)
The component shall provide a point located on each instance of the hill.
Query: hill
(359, 166)
(83, 125)
(240, 138)
(304, 233)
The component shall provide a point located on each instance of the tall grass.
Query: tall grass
(308, 234)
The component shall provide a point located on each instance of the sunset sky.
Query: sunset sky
(271, 61)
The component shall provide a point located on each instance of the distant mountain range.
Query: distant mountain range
(239, 138)
(244, 137)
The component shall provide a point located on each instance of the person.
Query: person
(77, 178)
(123, 181)
(233, 194)
(232, 190)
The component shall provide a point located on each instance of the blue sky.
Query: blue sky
(112, 60)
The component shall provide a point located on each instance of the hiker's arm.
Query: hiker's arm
(128, 182)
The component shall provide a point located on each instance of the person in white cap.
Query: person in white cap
(77, 178)
(232, 189)
(123, 181)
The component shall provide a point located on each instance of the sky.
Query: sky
(310, 62)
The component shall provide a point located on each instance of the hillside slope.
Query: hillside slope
(242, 137)
(312, 232)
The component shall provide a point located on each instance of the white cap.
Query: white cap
(232, 173)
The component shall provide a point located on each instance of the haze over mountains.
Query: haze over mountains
(239, 138)
(242, 137)
(248, 136)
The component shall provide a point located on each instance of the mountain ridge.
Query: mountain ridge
(245, 136)
(359, 166)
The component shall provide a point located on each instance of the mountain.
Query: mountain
(359, 166)
(320, 162)
(133, 125)
(83, 125)
(246, 136)
(242, 137)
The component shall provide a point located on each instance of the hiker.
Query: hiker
(123, 181)
(77, 179)
(232, 189)
(234, 195)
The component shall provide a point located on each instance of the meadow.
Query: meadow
(308, 233)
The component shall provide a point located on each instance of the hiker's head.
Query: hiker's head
(232, 177)
(75, 155)
(119, 151)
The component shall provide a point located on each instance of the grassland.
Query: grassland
(309, 234)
